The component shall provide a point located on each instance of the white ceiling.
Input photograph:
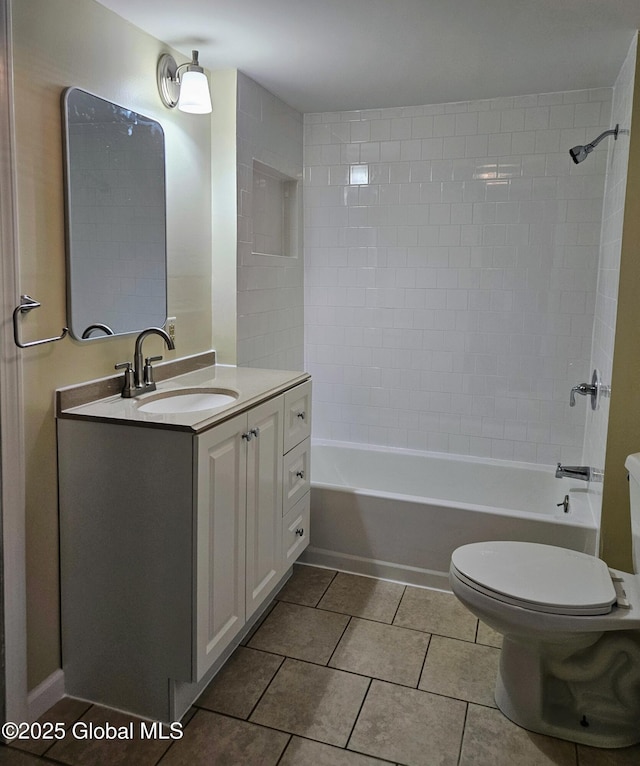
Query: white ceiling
(330, 55)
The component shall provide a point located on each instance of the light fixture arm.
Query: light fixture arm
(190, 66)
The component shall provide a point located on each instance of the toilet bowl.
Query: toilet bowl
(570, 659)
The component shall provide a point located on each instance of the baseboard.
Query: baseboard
(385, 570)
(45, 695)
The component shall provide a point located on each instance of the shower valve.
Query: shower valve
(583, 389)
(595, 390)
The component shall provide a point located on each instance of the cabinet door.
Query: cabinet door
(220, 539)
(264, 502)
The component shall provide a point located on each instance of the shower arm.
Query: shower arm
(613, 132)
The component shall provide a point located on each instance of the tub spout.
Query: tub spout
(582, 472)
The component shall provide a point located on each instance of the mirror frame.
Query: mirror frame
(74, 250)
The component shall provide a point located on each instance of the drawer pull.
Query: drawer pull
(300, 474)
(300, 532)
(302, 415)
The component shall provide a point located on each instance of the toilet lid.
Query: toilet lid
(544, 578)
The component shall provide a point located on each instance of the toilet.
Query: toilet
(570, 659)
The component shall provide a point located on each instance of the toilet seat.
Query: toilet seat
(542, 578)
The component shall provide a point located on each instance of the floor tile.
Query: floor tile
(256, 626)
(364, 629)
(306, 585)
(300, 632)
(312, 701)
(381, 651)
(437, 612)
(409, 726)
(491, 739)
(240, 683)
(363, 597)
(305, 752)
(488, 636)
(460, 669)
(592, 756)
(66, 711)
(95, 751)
(11, 757)
(215, 739)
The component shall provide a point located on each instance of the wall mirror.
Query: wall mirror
(115, 218)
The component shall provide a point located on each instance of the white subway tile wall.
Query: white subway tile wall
(270, 288)
(449, 296)
(609, 267)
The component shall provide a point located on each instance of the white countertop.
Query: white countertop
(253, 386)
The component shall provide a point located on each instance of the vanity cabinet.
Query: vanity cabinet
(171, 542)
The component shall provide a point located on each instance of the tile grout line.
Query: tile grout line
(355, 720)
(44, 754)
(335, 648)
(326, 588)
(284, 749)
(424, 662)
(264, 691)
(464, 728)
(395, 614)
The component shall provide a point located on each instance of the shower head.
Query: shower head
(579, 153)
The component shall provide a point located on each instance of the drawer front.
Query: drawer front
(296, 475)
(297, 415)
(296, 530)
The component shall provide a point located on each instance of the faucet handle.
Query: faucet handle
(583, 389)
(149, 383)
(129, 386)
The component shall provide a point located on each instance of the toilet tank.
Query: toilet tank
(632, 464)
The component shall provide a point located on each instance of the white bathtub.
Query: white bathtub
(399, 514)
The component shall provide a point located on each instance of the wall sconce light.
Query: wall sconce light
(185, 86)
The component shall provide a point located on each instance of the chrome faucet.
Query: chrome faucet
(582, 472)
(139, 380)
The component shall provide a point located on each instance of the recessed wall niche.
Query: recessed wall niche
(275, 212)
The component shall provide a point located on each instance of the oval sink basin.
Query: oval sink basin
(188, 400)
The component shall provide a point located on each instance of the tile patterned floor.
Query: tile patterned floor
(343, 671)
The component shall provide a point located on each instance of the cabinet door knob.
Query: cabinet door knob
(302, 415)
(300, 532)
(255, 431)
(300, 474)
(248, 436)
